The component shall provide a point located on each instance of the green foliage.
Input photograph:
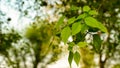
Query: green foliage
(77, 58)
(65, 34)
(102, 27)
(82, 16)
(86, 8)
(70, 58)
(92, 22)
(71, 20)
(61, 20)
(78, 26)
(93, 12)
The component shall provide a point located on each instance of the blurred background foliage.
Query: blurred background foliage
(38, 40)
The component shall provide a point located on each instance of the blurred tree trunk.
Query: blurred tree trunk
(102, 62)
(37, 56)
(37, 50)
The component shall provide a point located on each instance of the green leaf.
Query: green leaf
(76, 27)
(84, 28)
(97, 42)
(102, 27)
(93, 12)
(71, 20)
(77, 57)
(86, 8)
(60, 21)
(92, 22)
(82, 44)
(66, 32)
(70, 57)
(82, 16)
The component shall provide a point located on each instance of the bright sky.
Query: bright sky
(16, 22)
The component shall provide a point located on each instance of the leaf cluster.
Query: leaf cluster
(80, 25)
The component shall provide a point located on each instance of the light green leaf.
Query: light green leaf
(66, 32)
(93, 12)
(86, 8)
(102, 27)
(70, 57)
(71, 20)
(76, 27)
(97, 42)
(82, 16)
(82, 44)
(77, 57)
(92, 22)
(60, 21)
